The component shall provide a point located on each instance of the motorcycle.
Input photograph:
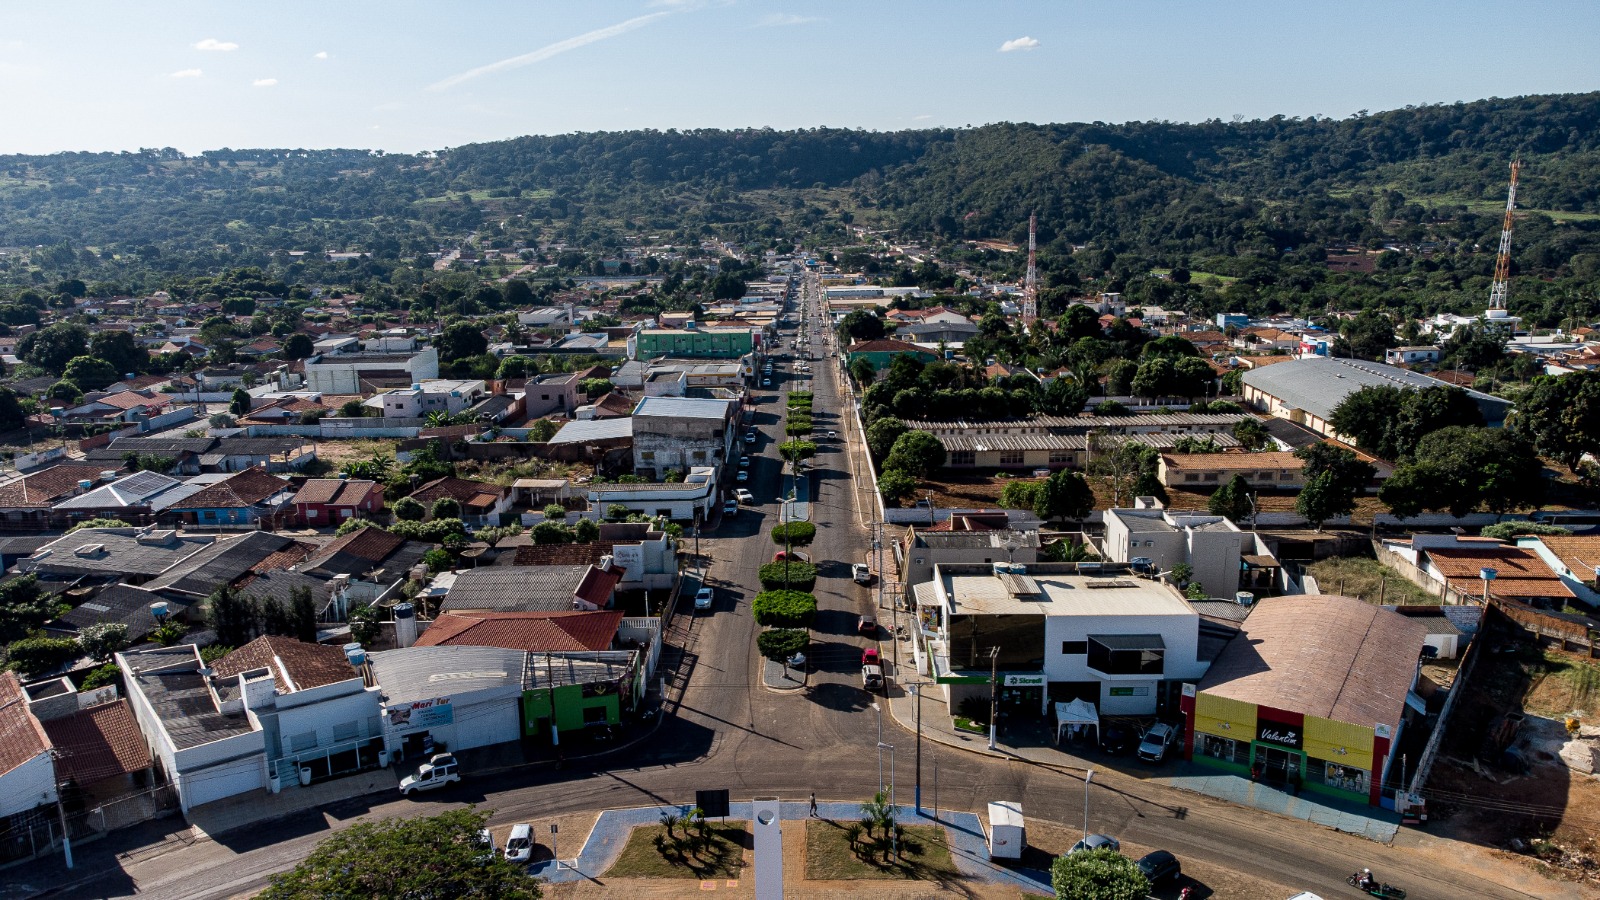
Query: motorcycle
(1384, 891)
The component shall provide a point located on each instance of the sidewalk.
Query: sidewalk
(967, 839)
(1038, 747)
(234, 813)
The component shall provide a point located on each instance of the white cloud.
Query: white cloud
(779, 20)
(264, 82)
(186, 73)
(320, 54)
(920, 118)
(1021, 43)
(214, 44)
(549, 50)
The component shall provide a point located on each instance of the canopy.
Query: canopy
(1078, 712)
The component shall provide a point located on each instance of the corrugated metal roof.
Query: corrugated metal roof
(1319, 384)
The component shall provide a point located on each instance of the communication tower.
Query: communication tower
(1030, 285)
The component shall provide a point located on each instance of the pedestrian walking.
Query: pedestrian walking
(814, 804)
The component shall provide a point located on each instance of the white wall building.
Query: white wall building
(457, 697)
(423, 398)
(27, 771)
(1211, 545)
(343, 373)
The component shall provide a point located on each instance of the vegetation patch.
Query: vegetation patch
(839, 851)
(794, 575)
(784, 609)
(782, 643)
(683, 851)
(797, 534)
(1367, 580)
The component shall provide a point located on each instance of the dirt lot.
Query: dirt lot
(1551, 810)
(1367, 579)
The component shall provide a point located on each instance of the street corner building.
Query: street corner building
(1315, 692)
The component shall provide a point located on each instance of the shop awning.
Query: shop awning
(1078, 712)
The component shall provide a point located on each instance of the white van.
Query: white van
(519, 846)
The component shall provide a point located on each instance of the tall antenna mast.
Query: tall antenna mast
(1030, 285)
(1502, 266)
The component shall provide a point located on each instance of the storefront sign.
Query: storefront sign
(420, 714)
(1279, 735)
(1024, 681)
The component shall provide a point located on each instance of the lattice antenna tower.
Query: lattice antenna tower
(1030, 285)
(1502, 265)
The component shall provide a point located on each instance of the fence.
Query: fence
(1571, 633)
(37, 832)
(1430, 751)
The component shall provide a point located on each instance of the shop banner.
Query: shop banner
(1290, 737)
(420, 714)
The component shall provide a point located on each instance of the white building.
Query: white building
(678, 501)
(455, 697)
(1060, 632)
(423, 398)
(1211, 545)
(27, 771)
(342, 373)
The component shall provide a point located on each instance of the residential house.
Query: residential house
(99, 751)
(646, 558)
(1210, 545)
(323, 502)
(354, 372)
(132, 555)
(612, 405)
(119, 604)
(1412, 356)
(1456, 567)
(1272, 470)
(482, 503)
(246, 498)
(534, 632)
(181, 455)
(273, 454)
(223, 562)
(1574, 558)
(509, 589)
(27, 502)
(681, 433)
(137, 499)
(27, 772)
(425, 398)
(1266, 339)
(121, 408)
(551, 394)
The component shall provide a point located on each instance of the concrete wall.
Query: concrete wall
(28, 785)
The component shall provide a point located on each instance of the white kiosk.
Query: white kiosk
(1007, 836)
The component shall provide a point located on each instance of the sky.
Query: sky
(406, 76)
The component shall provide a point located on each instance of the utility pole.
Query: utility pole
(917, 690)
(994, 693)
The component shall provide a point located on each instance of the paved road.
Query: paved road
(729, 732)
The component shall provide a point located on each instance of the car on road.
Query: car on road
(744, 496)
(440, 769)
(869, 657)
(519, 846)
(860, 574)
(744, 462)
(867, 625)
(1153, 748)
(743, 476)
(730, 508)
(871, 677)
(790, 555)
(833, 435)
(749, 437)
(703, 598)
(1096, 842)
(1160, 867)
(766, 382)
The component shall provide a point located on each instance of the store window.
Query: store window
(1336, 775)
(1225, 749)
(1011, 457)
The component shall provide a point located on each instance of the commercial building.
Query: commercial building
(699, 342)
(1315, 691)
(423, 398)
(1272, 470)
(922, 549)
(568, 692)
(1060, 632)
(1057, 442)
(358, 372)
(681, 433)
(445, 697)
(1307, 391)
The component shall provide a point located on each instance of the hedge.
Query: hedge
(784, 609)
(800, 427)
(802, 576)
(800, 449)
(797, 534)
(782, 643)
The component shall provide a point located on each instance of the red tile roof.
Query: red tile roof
(46, 487)
(98, 743)
(133, 400)
(563, 554)
(470, 494)
(1579, 553)
(597, 585)
(21, 737)
(886, 345)
(1519, 574)
(334, 491)
(531, 631)
(285, 558)
(245, 489)
(295, 665)
(368, 543)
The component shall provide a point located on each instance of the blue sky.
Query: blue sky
(416, 76)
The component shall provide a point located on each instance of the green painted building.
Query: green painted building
(694, 343)
(580, 690)
(883, 351)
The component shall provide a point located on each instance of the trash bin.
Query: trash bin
(305, 777)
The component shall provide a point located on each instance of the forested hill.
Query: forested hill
(1160, 189)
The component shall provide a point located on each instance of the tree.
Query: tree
(352, 409)
(542, 430)
(896, 485)
(298, 346)
(863, 325)
(1155, 377)
(23, 607)
(119, 350)
(882, 434)
(11, 414)
(1557, 415)
(862, 371)
(1429, 410)
(586, 531)
(52, 347)
(917, 453)
(448, 508)
(1063, 397)
(432, 856)
(1173, 347)
(65, 392)
(1232, 500)
(1193, 377)
(102, 640)
(1368, 417)
(1064, 495)
(98, 523)
(1251, 434)
(594, 387)
(784, 609)
(1460, 469)
(1020, 494)
(438, 560)
(37, 656)
(1334, 477)
(1119, 377)
(240, 404)
(233, 617)
(461, 340)
(548, 532)
(1098, 875)
(1366, 336)
(782, 643)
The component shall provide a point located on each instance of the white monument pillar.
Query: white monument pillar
(767, 821)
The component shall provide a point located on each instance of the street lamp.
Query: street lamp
(1087, 778)
(894, 838)
(916, 691)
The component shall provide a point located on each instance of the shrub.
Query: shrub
(1506, 531)
(784, 609)
(409, 509)
(101, 676)
(896, 485)
(797, 449)
(797, 428)
(37, 656)
(796, 534)
(1020, 494)
(800, 576)
(433, 532)
(782, 643)
(99, 523)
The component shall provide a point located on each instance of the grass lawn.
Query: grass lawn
(1367, 579)
(1563, 683)
(924, 855)
(722, 857)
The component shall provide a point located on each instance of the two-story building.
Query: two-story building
(681, 433)
(1211, 545)
(424, 398)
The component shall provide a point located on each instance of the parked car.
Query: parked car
(519, 846)
(743, 476)
(1096, 842)
(749, 437)
(766, 382)
(744, 496)
(486, 842)
(744, 462)
(730, 508)
(703, 598)
(1153, 748)
(438, 771)
(871, 677)
(869, 657)
(1159, 867)
(1116, 740)
(860, 574)
(790, 555)
(868, 626)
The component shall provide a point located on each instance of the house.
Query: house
(881, 352)
(1412, 356)
(121, 408)
(510, 589)
(257, 719)
(273, 454)
(922, 549)
(137, 499)
(27, 772)
(99, 751)
(181, 455)
(551, 394)
(119, 604)
(322, 502)
(1315, 692)
(681, 433)
(1467, 569)
(225, 561)
(482, 503)
(647, 558)
(246, 498)
(552, 318)
(1307, 391)
(534, 632)
(1266, 339)
(687, 501)
(611, 405)
(1574, 558)
(1122, 643)
(132, 555)
(1210, 545)
(424, 398)
(457, 697)
(1272, 470)
(371, 557)
(27, 503)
